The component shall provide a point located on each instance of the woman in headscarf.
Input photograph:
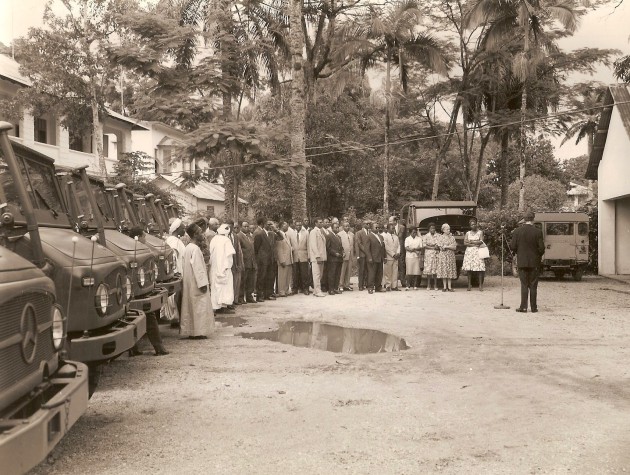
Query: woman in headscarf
(431, 250)
(472, 262)
(447, 267)
(221, 279)
(413, 260)
(196, 319)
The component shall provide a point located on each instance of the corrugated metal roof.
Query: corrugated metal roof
(10, 70)
(202, 189)
(617, 96)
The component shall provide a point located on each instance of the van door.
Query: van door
(582, 242)
(560, 241)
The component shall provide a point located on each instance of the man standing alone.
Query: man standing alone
(529, 247)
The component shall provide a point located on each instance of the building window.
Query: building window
(210, 210)
(105, 145)
(41, 130)
(166, 160)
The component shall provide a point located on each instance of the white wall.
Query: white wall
(622, 236)
(614, 169)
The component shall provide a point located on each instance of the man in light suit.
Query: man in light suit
(392, 253)
(529, 246)
(299, 244)
(284, 257)
(347, 241)
(361, 243)
(375, 257)
(401, 231)
(317, 255)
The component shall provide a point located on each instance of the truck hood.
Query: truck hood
(60, 240)
(125, 243)
(15, 268)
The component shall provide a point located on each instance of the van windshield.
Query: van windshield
(559, 229)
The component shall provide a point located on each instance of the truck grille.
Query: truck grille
(13, 368)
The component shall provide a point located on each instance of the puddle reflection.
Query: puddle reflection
(323, 336)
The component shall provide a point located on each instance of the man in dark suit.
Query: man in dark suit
(361, 244)
(334, 252)
(529, 246)
(263, 251)
(248, 276)
(375, 256)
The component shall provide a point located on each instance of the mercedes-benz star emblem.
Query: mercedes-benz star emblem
(28, 330)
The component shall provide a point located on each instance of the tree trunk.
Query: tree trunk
(522, 143)
(298, 109)
(505, 167)
(97, 133)
(481, 165)
(442, 153)
(388, 90)
(229, 158)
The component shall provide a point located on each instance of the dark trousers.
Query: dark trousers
(153, 330)
(263, 279)
(324, 279)
(301, 278)
(248, 278)
(333, 268)
(272, 279)
(529, 286)
(363, 272)
(237, 276)
(375, 275)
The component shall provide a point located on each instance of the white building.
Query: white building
(46, 135)
(161, 142)
(610, 164)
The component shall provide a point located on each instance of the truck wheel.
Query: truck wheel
(559, 274)
(94, 376)
(577, 275)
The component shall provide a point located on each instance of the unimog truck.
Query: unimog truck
(90, 281)
(41, 394)
(91, 220)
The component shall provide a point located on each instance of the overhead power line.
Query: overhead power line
(398, 142)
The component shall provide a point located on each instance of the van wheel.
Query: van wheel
(577, 275)
(559, 274)
(94, 376)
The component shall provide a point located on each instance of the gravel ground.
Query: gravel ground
(479, 391)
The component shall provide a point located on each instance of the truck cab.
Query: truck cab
(418, 214)
(90, 220)
(566, 243)
(129, 211)
(41, 394)
(90, 281)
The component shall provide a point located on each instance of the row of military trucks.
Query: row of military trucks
(75, 291)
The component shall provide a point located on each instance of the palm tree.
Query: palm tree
(585, 123)
(390, 36)
(526, 20)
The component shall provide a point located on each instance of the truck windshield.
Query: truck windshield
(459, 224)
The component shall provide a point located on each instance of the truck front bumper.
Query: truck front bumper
(151, 303)
(173, 285)
(106, 343)
(30, 440)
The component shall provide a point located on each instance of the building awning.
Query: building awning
(616, 96)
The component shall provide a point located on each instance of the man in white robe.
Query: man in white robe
(196, 319)
(221, 279)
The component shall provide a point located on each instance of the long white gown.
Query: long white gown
(221, 278)
(196, 318)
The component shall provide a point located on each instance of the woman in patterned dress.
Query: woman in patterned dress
(431, 250)
(447, 268)
(472, 262)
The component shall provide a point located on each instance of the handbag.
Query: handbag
(484, 251)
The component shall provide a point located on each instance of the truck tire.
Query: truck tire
(577, 275)
(559, 274)
(94, 376)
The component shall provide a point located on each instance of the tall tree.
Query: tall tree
(391, 36)
(66, 60)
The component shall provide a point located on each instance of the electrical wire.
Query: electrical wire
(399, 142)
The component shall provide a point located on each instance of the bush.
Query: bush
(490, 222)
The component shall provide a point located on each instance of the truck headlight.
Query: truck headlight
(101, 299)
(167, 267)
(141, 277)
(128, 288)
(58, 328)
(155, 271)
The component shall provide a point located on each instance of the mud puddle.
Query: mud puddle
(231, 321)
(326, 337)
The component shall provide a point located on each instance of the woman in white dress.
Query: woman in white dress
(413, 260)
(472, 262)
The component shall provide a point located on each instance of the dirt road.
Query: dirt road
(479, 391)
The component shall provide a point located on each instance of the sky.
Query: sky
(606, 27)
